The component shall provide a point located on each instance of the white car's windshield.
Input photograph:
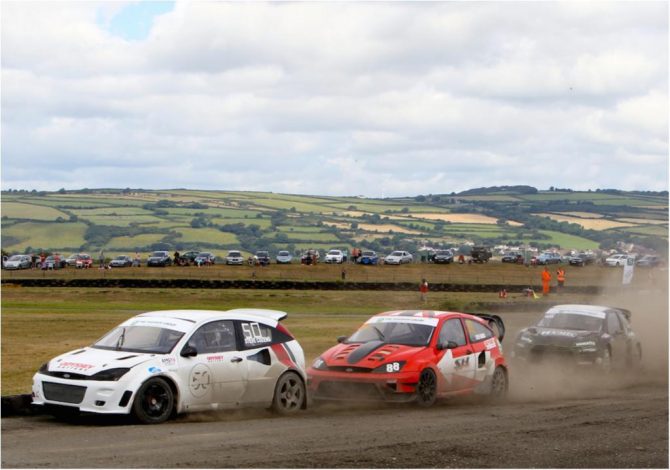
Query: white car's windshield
(410, 334)
(142, 339)
(234, 253)
(334, 253)
(572, 321)
(16, 258)
(283, 253)
(396, 253)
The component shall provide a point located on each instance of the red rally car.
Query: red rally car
(414, 355)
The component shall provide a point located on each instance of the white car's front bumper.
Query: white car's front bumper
(90, 396)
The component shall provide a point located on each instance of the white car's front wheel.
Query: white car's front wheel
(154, 401)
(289, 395)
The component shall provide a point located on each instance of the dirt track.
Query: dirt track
(551, 419)
(627, 427)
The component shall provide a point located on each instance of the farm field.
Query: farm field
(92, 220)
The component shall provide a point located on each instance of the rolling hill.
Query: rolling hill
(129, 220)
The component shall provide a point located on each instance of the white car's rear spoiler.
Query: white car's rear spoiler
(276, 315)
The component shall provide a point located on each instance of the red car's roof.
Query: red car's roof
(417, 313)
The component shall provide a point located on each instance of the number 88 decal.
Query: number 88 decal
(393, 367)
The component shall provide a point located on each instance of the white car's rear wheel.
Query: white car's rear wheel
(154, 401)
(289, 395)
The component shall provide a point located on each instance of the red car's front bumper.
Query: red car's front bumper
(331, 385)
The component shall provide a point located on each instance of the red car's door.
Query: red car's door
(457, 365)
(481, 340)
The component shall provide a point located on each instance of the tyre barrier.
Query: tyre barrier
(18, 405)
(281, 285)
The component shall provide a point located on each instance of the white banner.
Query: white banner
(628, 269)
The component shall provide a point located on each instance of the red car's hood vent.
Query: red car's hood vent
(370, 354)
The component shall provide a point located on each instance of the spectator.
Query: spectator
(546, 279)
(101, 260)
(423, 288)
(138, 259)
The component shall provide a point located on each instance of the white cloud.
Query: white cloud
(421, 97)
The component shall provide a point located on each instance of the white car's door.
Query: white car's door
(261, 361)
(215, 376)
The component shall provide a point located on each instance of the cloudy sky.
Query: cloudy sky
(377, 99)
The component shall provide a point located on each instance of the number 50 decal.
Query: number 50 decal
(253, 334)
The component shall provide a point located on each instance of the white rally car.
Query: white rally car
(158, 364)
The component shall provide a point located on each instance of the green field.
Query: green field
(28, 216)
(17, 210)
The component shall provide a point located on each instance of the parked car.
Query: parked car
(18, 262)
(234, 257)
(582, 335)
(443, 257)
(310, 257)
(368, 257)
(54, 262)
(262, 258)
(205, 258)
(72, 259)
(581, 259)
(649, 261)
(549, 257)
(284, 257)
(158, 364)
(334, 256)
(398, 257)
(188, 258)
(512, 257)
(480, 254)
(419, 356)
(159, 258)
(121, 261)
(83, 261)
(616, 260)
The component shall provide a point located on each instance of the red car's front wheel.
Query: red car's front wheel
(426, 389)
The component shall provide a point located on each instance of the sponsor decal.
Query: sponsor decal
(401, 319)
(568, 334)
(461, 362)
(490, 343)
(75, 365)
(168, 361)
(154, 370)
(217, 358)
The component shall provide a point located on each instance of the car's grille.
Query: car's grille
(538, 353)
(63, 392)
(348, 390)
(68, 375)
(349, 369)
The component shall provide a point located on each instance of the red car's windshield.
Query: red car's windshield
(410, 334)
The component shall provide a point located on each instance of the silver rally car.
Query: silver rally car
(158, 364)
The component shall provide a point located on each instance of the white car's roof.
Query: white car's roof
(198, 316)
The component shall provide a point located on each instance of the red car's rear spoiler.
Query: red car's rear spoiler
(492, 320)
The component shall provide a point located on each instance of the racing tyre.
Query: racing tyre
(154, 402)
(426, 389)
(499, 384)
(289, 395)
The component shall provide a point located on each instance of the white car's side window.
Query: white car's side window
(217, 336)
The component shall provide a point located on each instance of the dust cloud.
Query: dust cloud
(648, 304)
